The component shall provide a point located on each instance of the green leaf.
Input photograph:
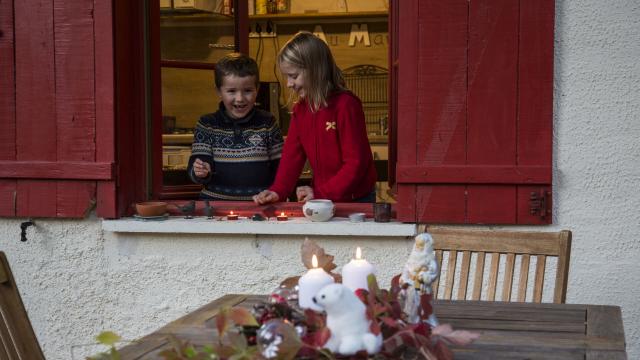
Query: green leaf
(108, 338)
(190, 352)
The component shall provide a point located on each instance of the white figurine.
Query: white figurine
(347, 320)
(420, 271)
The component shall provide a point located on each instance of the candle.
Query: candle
(232, 216)
(355, 273)
(282, 217)
(310, 283)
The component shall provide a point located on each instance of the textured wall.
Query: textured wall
(76, 281)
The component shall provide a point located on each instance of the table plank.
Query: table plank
(509, 330)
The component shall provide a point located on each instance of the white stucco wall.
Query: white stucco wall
(76, 280)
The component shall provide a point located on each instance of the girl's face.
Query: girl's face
(238, 95)
(295, 77)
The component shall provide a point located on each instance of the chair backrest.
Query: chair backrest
(17, 339)
(527, 246)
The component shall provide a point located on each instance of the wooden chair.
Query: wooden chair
(494, 244)
(17, 339)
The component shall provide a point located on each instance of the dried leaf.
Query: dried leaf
(310, 248)
(455, 337)
(243, 317)
(290, 282)
(222, 321)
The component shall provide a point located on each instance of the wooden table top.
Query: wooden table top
(509, 330)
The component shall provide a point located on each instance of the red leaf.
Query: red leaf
(321, 337)
(425, 306)
(442, 352)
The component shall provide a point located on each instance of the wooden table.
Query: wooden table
(509, 330)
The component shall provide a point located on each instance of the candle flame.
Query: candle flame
(314, 261)
(358, 253)
(231, 212)
(282, 213)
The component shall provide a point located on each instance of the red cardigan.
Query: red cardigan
(335, 141)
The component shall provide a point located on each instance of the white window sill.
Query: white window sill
(294, 226)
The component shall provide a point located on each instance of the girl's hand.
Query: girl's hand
(265, 197)
(201, 168)
(304, 193)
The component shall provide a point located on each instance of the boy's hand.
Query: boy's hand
(201, 168)
(266, 197)
(304, 193)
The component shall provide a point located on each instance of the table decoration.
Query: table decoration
(310, 283)
(282, 217)
(231, 216)
(356, 272)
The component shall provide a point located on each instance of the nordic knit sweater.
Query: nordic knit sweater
(334, 140)
(243, 154)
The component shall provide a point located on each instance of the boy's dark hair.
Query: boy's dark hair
(236, 64)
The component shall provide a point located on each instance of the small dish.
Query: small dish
(356, 217)
(151, 218)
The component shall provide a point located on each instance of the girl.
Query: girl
(327, 128)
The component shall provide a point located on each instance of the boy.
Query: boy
(236, 150)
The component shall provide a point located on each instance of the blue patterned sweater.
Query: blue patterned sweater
(243, 154)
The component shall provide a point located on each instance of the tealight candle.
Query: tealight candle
(355, 273)
(310, 283)
(232, 216)
(282, 217)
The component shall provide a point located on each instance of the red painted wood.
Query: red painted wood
(56, 170)
(535, 96)
(407, 110)
(442, 102)
(524, 215)
(7, 197)
(130, 109)
(493, 84)
(156, 96)
(35, 102)
(75, 199)
(7, 105)
(475, 174)
(36, 198)
(393, 92)
(7, 84)
(241, 25)
(104, 99)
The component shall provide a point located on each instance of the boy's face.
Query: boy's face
(238, 95)
(295, 77)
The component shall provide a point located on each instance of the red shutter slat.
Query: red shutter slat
(535, 100)
(75, 96)
(7, 105)
(492, 93)
(104, 69)
(407, 114)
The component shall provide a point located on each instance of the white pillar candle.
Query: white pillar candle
(310, 283)
(355, 273)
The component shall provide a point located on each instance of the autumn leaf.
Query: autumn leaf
(455, 337)
(310, 248)
(290, 282)
(222, 321)
(243, 317)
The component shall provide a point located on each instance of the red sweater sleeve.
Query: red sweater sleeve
(355, 149)
(291, 162)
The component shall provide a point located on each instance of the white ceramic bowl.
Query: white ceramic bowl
(318, 209)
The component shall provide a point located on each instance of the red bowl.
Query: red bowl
(151, 208)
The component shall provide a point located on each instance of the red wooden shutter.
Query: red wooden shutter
(56, 133)
(474, 115)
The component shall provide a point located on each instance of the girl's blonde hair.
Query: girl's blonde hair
(322, 76)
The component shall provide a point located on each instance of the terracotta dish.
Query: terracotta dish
(151, 208)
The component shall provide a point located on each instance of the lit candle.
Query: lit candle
(232, 216)
(282, 217)
(310, 283)
(355, 273)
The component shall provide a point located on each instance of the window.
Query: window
(471, 105)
